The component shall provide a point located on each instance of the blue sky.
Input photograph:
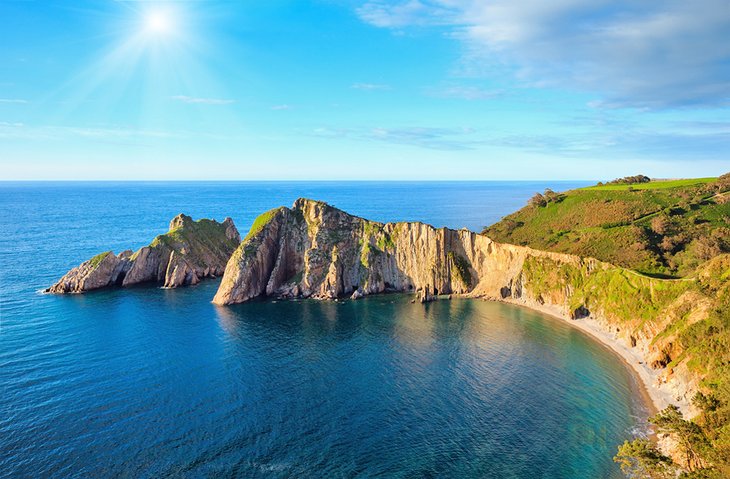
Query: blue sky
(345, 89)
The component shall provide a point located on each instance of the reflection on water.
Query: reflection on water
(143, 382)
(464, 386)
(156, 382)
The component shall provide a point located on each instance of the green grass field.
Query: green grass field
(661, 228)
(655, 184)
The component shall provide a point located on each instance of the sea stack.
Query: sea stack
(189, 251)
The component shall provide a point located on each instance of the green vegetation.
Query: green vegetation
(261, 220)
(618, 294)
(642, 459)
(461, 268)
(701, 444)
(196, 240)
(689, 321)
(660, 228)
(96, 260)
(653, 185)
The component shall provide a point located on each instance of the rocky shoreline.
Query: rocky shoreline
(313, 250)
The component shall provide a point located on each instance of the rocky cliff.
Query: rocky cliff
(315, 250)
(189, 251)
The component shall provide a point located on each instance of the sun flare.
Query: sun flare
(158, 22)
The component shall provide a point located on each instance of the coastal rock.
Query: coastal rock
(189, 251)
(424, 295)
(314, 250)
(327, 253)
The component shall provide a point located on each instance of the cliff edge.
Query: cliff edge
(313, 250)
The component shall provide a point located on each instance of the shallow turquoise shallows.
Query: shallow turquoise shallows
(145, 382)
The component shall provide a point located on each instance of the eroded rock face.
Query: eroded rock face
(316, 250)
(189, 251)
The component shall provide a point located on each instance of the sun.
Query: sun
(158, 22)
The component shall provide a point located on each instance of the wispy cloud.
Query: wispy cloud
(12, 100)
(648, 55)
(451, 139)
(19, 131)
(370, 86)
(282, 107)
(708, 142)
(465, 92)
(408, 13)
(202, 101)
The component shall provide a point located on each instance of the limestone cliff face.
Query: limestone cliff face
(315, 250)
(189, 251)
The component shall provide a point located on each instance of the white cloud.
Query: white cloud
(370, 86)
(645, 54)
(465, 92)
(19, 131)
(203, 101)
(12, 100)
(433, 138)
(408, 13)
(282, 107)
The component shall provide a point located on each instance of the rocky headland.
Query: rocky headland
(670, 331)
(189, 251)
(313, 250)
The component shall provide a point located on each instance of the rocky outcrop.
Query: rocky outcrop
(315, 250)
(189, 251)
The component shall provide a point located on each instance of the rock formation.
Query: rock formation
(315, 250)
(189, 251)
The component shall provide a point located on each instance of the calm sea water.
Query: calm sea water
(145, 382)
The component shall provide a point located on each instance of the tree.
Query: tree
(707, 247)
(641, 459)
(630, 180)
(690, 437)
(660, 224)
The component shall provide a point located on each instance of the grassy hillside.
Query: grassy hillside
(662, 227)
(667, 229)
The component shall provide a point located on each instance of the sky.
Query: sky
(364, 89)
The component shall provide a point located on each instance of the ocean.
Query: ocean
(145, 382)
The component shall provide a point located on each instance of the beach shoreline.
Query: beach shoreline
(657, 393)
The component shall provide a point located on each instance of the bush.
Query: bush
(537, 200)
(630, 180)
(660, 224)
(642, 459)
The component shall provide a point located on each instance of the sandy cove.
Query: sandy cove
(659, 392)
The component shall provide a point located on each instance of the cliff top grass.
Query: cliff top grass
(260, 222)
(664, 228)
(653, 184)
(96, 260)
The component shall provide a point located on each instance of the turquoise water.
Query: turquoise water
(145, 382)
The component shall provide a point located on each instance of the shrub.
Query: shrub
(660, 224)
(537, 200)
